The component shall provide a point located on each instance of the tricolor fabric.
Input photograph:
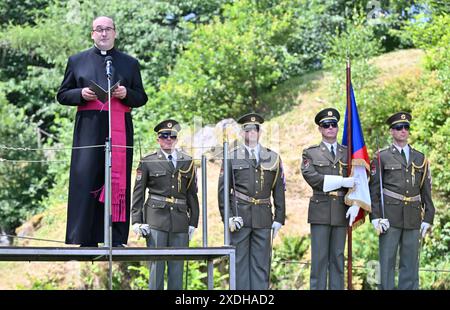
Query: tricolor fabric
(360, 165)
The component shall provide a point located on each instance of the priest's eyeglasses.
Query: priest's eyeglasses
(100, 30)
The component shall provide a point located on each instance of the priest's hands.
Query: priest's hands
(88, 94)
(120, 92)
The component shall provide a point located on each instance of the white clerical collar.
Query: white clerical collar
(328, 145)
(101, 51)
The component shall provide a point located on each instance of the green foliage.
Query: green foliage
(228, 64)
(365, 256)
(21, 12)
(288, 269)
(435, 253)
(47, 283)
(22, 184)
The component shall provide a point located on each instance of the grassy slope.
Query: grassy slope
(288, 134)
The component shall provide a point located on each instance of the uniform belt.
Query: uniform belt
(400, 197)
(251, 199)
(168, 199)
(335, 193)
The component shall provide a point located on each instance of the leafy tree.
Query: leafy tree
(22, 184)
(228, 64)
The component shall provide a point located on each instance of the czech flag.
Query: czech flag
(360, 165)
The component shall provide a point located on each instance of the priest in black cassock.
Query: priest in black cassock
(85, 216)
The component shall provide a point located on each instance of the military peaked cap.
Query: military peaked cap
(171, 126)
(328, 115)
(250, 121)
(403, 118)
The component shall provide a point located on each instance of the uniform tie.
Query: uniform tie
(404, 155)
(253, 157)
(171, 161)
(332, 152)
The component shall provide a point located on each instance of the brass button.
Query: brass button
(173, 175)
(406, 170)
(407, 192)
(257, 192)
(334, 198)
(171, 208)
(317, 200)
(173, 186)
(406, 203)
(407, 181)
(157, 174)
(334, 166)
(256, 181)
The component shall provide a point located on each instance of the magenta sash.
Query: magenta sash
(119, 156)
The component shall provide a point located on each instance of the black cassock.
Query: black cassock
(85, 215)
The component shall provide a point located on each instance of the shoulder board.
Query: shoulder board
(186, 155)
(417, 151)
(312, 146)
(149, 154)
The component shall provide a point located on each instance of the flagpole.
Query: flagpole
(349, 169)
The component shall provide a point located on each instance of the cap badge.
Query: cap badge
(169, 125)
(403, 116)
(252, 118)
(330, 113)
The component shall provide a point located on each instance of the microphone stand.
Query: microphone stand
(108, 164)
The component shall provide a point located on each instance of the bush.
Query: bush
(23, 184)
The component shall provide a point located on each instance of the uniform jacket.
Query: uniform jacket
(264, 179)
(156, 174)
(407, 179)
(316, 163)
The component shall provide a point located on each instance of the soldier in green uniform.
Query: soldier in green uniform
(169, 215)
(324, 167)
(256, 174)
(408, 210)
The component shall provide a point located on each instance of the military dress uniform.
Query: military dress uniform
(407, 203)
(326, 212)
(252, 183)
(170, 208)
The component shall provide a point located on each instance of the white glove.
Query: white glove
(191, 232)
(142, 230)
(348, 182)
(235, 223)
(424, 227)
(275, 228)
(352, 212)
(381, 225)
(332, 182)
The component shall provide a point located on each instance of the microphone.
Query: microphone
(108, 61)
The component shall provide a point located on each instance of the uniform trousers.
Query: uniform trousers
(253, 255)
(160, 239)
(327, 257)
(389, 243)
